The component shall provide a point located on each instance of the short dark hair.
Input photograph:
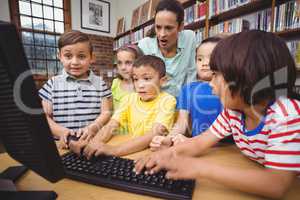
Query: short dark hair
(154, 62)
(251, 61)
(132, 49)
(73, 37)
(214, 39)
(172, 6)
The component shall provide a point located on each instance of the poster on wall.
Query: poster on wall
(95, 15)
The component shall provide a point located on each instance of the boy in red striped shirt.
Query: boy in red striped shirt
(254, 76)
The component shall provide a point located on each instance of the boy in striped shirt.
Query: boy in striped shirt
(76, 102)
(254, 76)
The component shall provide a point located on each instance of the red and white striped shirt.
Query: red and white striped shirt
(276, 145)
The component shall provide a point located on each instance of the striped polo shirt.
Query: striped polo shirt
(75, 103)
(275, 143)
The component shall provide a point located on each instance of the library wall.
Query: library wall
(4, 11)
(103, 50)
(76, 18)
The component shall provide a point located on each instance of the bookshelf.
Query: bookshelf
(279, 16)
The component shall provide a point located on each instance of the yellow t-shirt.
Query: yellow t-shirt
(140, 116)
(117, 92)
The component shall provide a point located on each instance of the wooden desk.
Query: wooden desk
(205, 189)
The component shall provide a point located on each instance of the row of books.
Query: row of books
(287, 16)
(195, 12)
(140, 15)
(132, 38)
(259, 20)
(294, 47)
(218, 6)
(200, 35)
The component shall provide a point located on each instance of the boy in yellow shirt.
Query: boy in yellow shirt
(147, 112)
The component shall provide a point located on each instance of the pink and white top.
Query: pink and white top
(275, 143)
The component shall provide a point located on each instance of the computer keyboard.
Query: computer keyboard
(117, 173)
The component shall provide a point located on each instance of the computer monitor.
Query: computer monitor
(24, 130)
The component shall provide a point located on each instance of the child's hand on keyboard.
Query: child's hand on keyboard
(177, 167)
(78, 145)
(106, 149)
(152, 162)
(63, 140)
(92, 147)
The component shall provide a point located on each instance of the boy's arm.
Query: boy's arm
(140, 143)
(103, 118)
(267, 182)
(194, 146)
(56, 129)
(103, 136)
(182, 123)
(270, 183)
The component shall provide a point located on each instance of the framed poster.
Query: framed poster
(95, 15)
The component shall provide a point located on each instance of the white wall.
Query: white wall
(118, 9)
(76, 19)
(125, 8)
(4, 11)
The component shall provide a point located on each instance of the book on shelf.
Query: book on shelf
(294, 47)
(195, 13)
(260, 20)
(147, 30)
(219, 6)
(135, 17)
(152, 7)
(120, 25)
(144, 13)
(287, 16)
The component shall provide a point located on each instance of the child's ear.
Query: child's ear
(163, 80)
(58, 55)
(93, 59)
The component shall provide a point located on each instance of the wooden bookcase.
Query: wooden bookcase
(245, 9)
(209, 21)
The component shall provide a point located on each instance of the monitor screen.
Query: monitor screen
(24, 129)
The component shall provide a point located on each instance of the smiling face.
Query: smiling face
(167, 30)
(76, 59)
(202, 60)
(125, 60)
(147, 82)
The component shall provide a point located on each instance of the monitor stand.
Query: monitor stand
(8, 189)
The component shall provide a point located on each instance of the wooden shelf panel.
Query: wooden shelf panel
(240, 11)
(289, 34)
(195, 25)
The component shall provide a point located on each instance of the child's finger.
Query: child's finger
(172, 175)
(79, 132)
(71, 132)
(167, 142)
(140, 164)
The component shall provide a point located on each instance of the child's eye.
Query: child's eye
(68, 56)
(128, 63)
(147, 78)
(134, 79)
(82, 56)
